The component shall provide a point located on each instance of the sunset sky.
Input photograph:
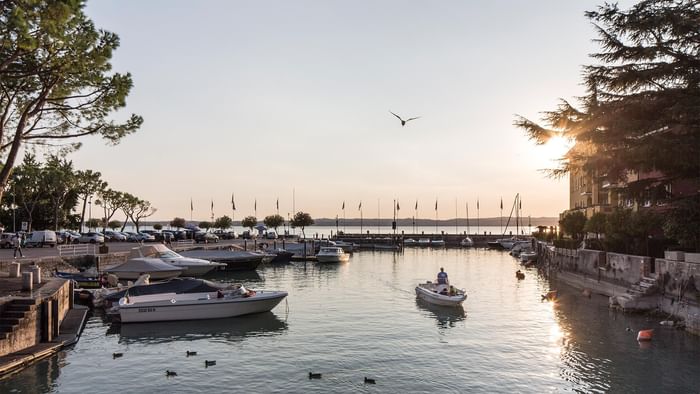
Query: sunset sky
(260, 98)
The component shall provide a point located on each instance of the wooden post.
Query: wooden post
(46, 322)
(71, 289)
(14, 270)
(55, 318)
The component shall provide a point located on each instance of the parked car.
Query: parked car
(6, 240)
(205, 237)
(271, 235)
(146, 237)
(115, 235)
(91, 238)
(38, 239)
(67, 237)
(226, 234)
(248, 235)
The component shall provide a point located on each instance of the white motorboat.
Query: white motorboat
(440, 294)
(409, 242)
(191, 266)
(424, 242)
(348, 247)
(133, 268)
(527, 256)
(332, 254)
(197, 306)
(466, 243)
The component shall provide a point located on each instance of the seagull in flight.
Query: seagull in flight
(403, 122)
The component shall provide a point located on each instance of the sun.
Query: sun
(555, 148)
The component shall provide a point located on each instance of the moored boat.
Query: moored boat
(437, 243)
(440, 294)
(134, 268)
(466, 242)
(235, 260)
(191, 266)
(197, 306)
(332, 254)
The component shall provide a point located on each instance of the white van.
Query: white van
(38, 239)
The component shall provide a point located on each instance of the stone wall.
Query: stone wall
(679, 279)
(29, 332)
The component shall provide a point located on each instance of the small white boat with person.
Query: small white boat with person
(440, 294)
(197, 306)
(331, 254)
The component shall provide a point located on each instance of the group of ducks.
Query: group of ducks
(313, 375)
(207, 363)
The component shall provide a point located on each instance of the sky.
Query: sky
(290, 100)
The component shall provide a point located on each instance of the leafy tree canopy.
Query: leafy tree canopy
(302, 219)
(178, 223)
(223, 222)
(274, 221)
(573, 223)
(249, 221)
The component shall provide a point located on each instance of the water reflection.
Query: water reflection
(230, 329)
(446, 316)
(39, 378)
(234, 276)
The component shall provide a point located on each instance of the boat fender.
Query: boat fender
(172, 301)
(645, 335)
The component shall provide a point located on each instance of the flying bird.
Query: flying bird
(403, 122)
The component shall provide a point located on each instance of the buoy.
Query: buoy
(370, 381)
(117, 355)
(209, 363)
(170, 373)
(314, 375)
(645, 335)
(667, 323)
(189, 353)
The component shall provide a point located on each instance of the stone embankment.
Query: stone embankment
(634, 283)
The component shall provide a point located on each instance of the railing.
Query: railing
(76, 249)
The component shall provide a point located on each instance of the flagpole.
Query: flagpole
(394, 223)
(415, 215)
(468, 229)
(501, 217)
(378, 216)
(345, 231)
(478, 229)
(294, 206)
(456, 215)
(436, 217)
(360, 208)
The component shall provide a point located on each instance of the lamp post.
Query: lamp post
(14, 221)
(90, 214)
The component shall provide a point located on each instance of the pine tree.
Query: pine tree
(641, 111)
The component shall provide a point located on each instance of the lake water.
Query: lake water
(362, 319)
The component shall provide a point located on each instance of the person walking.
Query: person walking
(17, 243)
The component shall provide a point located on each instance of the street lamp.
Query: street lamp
(14, 221)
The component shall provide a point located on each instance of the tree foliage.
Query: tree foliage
(249, 221)
(88, 183)
(56, 83)
(596, 223)
(223, 222)
(273, 221)
(93, 223)
(158, 226)
(205, 225)
(114, 224)
(641, 109)
(136, 209)
(683, 223)
(302, 219)
(573, 224)
(178, 223)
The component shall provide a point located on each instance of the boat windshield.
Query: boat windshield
(168, 254)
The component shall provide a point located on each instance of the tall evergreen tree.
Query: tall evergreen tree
(56, 83)
(642, 107)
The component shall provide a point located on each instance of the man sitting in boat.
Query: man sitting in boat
(442, 282)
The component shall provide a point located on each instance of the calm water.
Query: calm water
(362, 319)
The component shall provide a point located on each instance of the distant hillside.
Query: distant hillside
(538, 221)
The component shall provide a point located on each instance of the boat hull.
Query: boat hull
(332, 259)
(156, 275)
(439, 299)
(215, 308)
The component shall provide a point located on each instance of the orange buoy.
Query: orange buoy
(645, 335)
